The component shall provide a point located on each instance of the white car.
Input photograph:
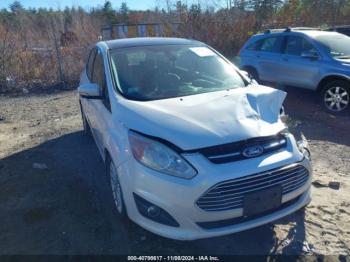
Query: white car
(193, 148)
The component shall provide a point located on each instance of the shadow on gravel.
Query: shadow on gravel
(37, 89)
(66, 209)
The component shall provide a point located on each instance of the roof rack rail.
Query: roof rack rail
(305, 28)
(268, 31)
(289, 29)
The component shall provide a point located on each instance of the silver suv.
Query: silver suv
(305, 58)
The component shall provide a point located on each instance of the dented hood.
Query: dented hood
(208, 119)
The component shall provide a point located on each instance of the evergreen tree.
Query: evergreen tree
(124, 11)
(108, 12)
(16, 7)
(240, 4)
(264, 10)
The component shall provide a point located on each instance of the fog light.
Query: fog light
(153, 211)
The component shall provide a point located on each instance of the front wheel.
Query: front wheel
(86, 127)
(335, 97)
(116, 188)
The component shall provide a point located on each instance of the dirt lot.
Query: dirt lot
(52, 199)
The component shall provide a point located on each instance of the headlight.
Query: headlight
(159, 157)
(303, 147)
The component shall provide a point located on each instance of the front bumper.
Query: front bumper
(178, 196)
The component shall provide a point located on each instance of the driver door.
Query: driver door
(297, 70)
(100, 116)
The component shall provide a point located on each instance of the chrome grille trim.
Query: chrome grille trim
(260, 174)
(233, 194)
(223, 156)
(216, 200)
(229, 194)
(263, 177)
(234, 151)
(291, 176)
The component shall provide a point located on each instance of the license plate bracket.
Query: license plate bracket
(262, 201)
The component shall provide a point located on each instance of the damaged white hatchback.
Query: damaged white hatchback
(192, 147)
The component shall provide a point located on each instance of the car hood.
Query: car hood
(208, 119)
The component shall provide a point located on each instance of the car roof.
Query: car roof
(149, 41)
(310, 33)
(315, 33)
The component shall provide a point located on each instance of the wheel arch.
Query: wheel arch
(330, 78)
(252, 71)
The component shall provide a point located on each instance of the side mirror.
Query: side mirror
(90, 91)
(310, 55)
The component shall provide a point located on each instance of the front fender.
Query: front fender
(117, 144)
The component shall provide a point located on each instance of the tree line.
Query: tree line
(50, 45)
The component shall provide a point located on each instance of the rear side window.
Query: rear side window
(272, 44)
(254, 46)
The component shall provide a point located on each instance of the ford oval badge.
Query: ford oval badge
(253, 151)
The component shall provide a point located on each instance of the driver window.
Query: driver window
(99, 77)
(296, 45)
(90, 63)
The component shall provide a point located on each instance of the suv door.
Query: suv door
(269, 54)
(101, 117)
(88, 72)
(297, 70)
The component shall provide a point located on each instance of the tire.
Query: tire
(335, 97)
(253, 74)
(116, 191)
(86, 126)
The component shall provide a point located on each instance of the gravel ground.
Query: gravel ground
(52, 197)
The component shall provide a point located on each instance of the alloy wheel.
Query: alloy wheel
(336, 98)
(116, 188)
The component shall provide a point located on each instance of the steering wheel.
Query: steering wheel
(168, 83)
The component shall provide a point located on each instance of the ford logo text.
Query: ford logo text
(253, 151)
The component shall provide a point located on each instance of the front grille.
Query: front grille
(234, 151)
(243, 219)
(229, 194)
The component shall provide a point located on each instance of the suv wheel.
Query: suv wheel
(335, 97)
(116, 188)
(253, 74)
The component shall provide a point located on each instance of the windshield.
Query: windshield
(159, 72)
(337, 45)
